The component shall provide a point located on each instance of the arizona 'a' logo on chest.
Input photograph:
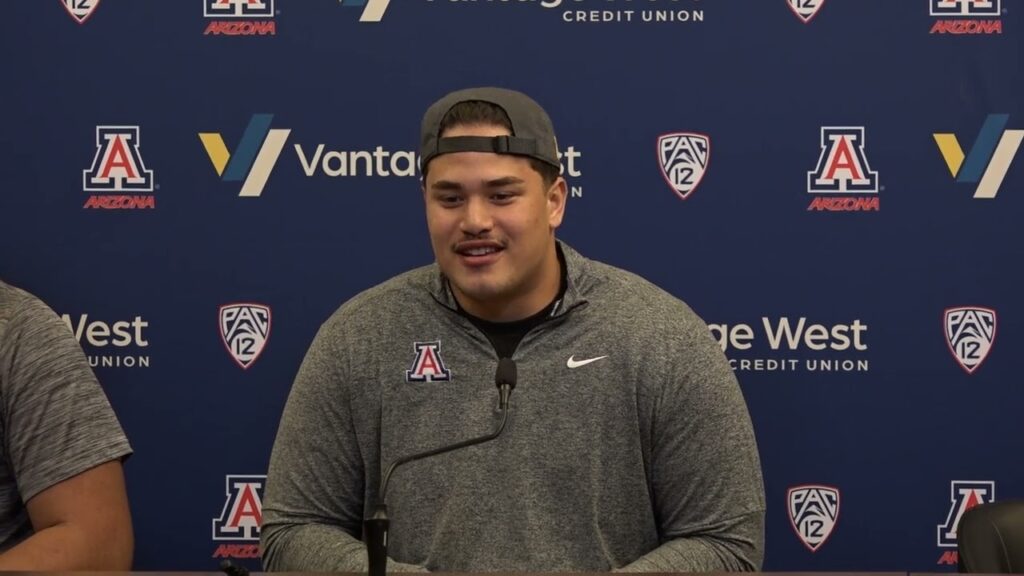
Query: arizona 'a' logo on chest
(428, 366)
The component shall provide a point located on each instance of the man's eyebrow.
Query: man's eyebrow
(506, 181)
(445, 185)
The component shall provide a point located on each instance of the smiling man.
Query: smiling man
(629, 446)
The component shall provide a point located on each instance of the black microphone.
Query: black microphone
(375, 528)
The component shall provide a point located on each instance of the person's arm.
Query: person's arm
(313, 506)
(82, 523)
(64, 449)
(706, 475)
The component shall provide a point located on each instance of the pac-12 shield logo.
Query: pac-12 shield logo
(813, 511)
(683, 158)
(805, 9)
(964, 495)
(80, 10)
(970, 332)
(244, 329)
(243, 509)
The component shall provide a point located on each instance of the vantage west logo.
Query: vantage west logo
(240, 17)
(117, 344)
(260, 147)
(966, 16)
(988, 161)
(610, 11)
(794, 344)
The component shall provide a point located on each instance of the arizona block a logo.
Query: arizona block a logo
(244, 329)
(964, 495)
(843, 169)
(117, 167)
(683, 158)
(813, 511)
(970, 331)
(428, 366)
(243, 509)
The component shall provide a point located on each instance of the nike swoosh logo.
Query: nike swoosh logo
(573, 363)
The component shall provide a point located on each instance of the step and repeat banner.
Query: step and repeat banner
(835, 186)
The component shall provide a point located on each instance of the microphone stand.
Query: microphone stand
(375, 528)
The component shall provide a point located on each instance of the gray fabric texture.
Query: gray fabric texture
(55, 420)
(644, 460)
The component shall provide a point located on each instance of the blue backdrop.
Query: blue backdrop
(809, 175)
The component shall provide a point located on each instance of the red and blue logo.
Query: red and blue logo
(117, 167)
(241, 517)
(237, 14)
(843, 169)
(428, 366)
(966, 16)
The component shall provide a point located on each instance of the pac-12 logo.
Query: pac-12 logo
(80, 10)
(964, 495)
(683, 158)
(970, 332)
(813, 511)
(428, 366)
(243, 509)
(244, 329)
(805, 9)
(238, 8)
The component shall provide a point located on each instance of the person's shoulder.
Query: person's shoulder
(391, 299)
(21, 310)
(636, 293)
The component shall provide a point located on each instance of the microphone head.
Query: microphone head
(506, 374)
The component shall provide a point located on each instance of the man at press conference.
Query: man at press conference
(609, 431)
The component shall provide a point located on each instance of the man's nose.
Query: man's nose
(477, 216)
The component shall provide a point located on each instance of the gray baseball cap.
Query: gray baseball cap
(532, 133)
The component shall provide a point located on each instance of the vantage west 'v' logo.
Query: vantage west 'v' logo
(254, 157)
(988, 160)
(373, 10)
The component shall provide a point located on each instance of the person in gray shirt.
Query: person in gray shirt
(63, 504)
(629, 446)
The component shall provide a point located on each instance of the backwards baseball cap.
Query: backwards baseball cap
(532, 133)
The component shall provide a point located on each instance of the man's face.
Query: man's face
(491, 221)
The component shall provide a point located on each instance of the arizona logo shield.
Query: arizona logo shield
(970, 332)
(80, 10)
(683, 157)
(805, 9)
(813, 511)
(428, 366)
(244, 329)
